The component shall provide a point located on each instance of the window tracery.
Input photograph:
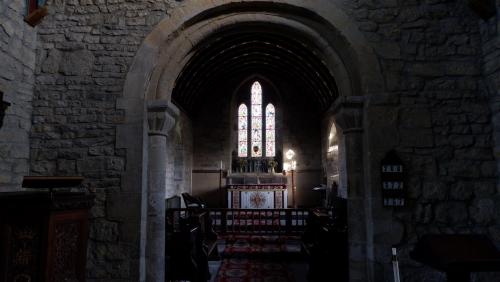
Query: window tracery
(262, 126)
(270, 131)
(242, 131)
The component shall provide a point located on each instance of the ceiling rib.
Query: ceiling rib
(253, 51)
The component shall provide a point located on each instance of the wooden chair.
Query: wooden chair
(184, 256)
(209, 236)
(190, 242)
(192, 202)
(325, 242)
(202, 218)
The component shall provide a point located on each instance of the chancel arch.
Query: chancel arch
(188, 56)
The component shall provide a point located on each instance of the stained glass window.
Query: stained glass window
(254, 120)
(256, 115)
(243, 131)
(270, 131)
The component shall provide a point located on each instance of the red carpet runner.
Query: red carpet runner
(254, 258)
(254, 270)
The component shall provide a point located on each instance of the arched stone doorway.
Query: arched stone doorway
(332, 39)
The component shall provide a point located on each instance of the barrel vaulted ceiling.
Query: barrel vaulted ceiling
(244, 50)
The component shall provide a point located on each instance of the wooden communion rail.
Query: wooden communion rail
(262, 221)
(193, 233)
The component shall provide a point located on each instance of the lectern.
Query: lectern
(43, 234)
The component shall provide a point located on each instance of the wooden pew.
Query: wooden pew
(190, 243)
(325, 242)
(184, 258)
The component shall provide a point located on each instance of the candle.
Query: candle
(220, 165)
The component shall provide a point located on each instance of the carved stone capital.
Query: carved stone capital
(160, 121)
(348, 113)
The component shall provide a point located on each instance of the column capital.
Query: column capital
(348, 113)
(161, 118)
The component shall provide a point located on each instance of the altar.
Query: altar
(257, 191)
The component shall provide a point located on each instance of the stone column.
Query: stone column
(160, 123)
(348, 115)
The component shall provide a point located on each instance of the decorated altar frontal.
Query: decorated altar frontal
(257, 196)
(257, 191)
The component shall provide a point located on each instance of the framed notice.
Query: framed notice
(392, 178)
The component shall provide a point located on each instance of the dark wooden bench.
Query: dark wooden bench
(325, 244)
(190, 244)
(457, 255)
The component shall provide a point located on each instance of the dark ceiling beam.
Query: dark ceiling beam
(238, 59)
(242, 51)
(270, 54)
(283, 71)
(197, 82)
(252, 69)
(268, 71)
(263, 70)
(273, 75)
(268, 45)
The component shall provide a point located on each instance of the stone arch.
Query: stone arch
(189, 24)
(150, 114)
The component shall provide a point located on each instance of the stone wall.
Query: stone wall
(301, 129)
(490, 35)
(180, 157)
(211, 144)
(333, 161)
(17, 54)
(84, 51)
(435, 112)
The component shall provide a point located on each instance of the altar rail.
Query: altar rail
(252, 221)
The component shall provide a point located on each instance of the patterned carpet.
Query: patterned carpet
(254, 270)
(259, 258)
(257, 245)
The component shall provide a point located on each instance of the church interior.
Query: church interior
(256, 140)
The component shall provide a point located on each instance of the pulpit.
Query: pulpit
(43, 234)
(257, 191)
